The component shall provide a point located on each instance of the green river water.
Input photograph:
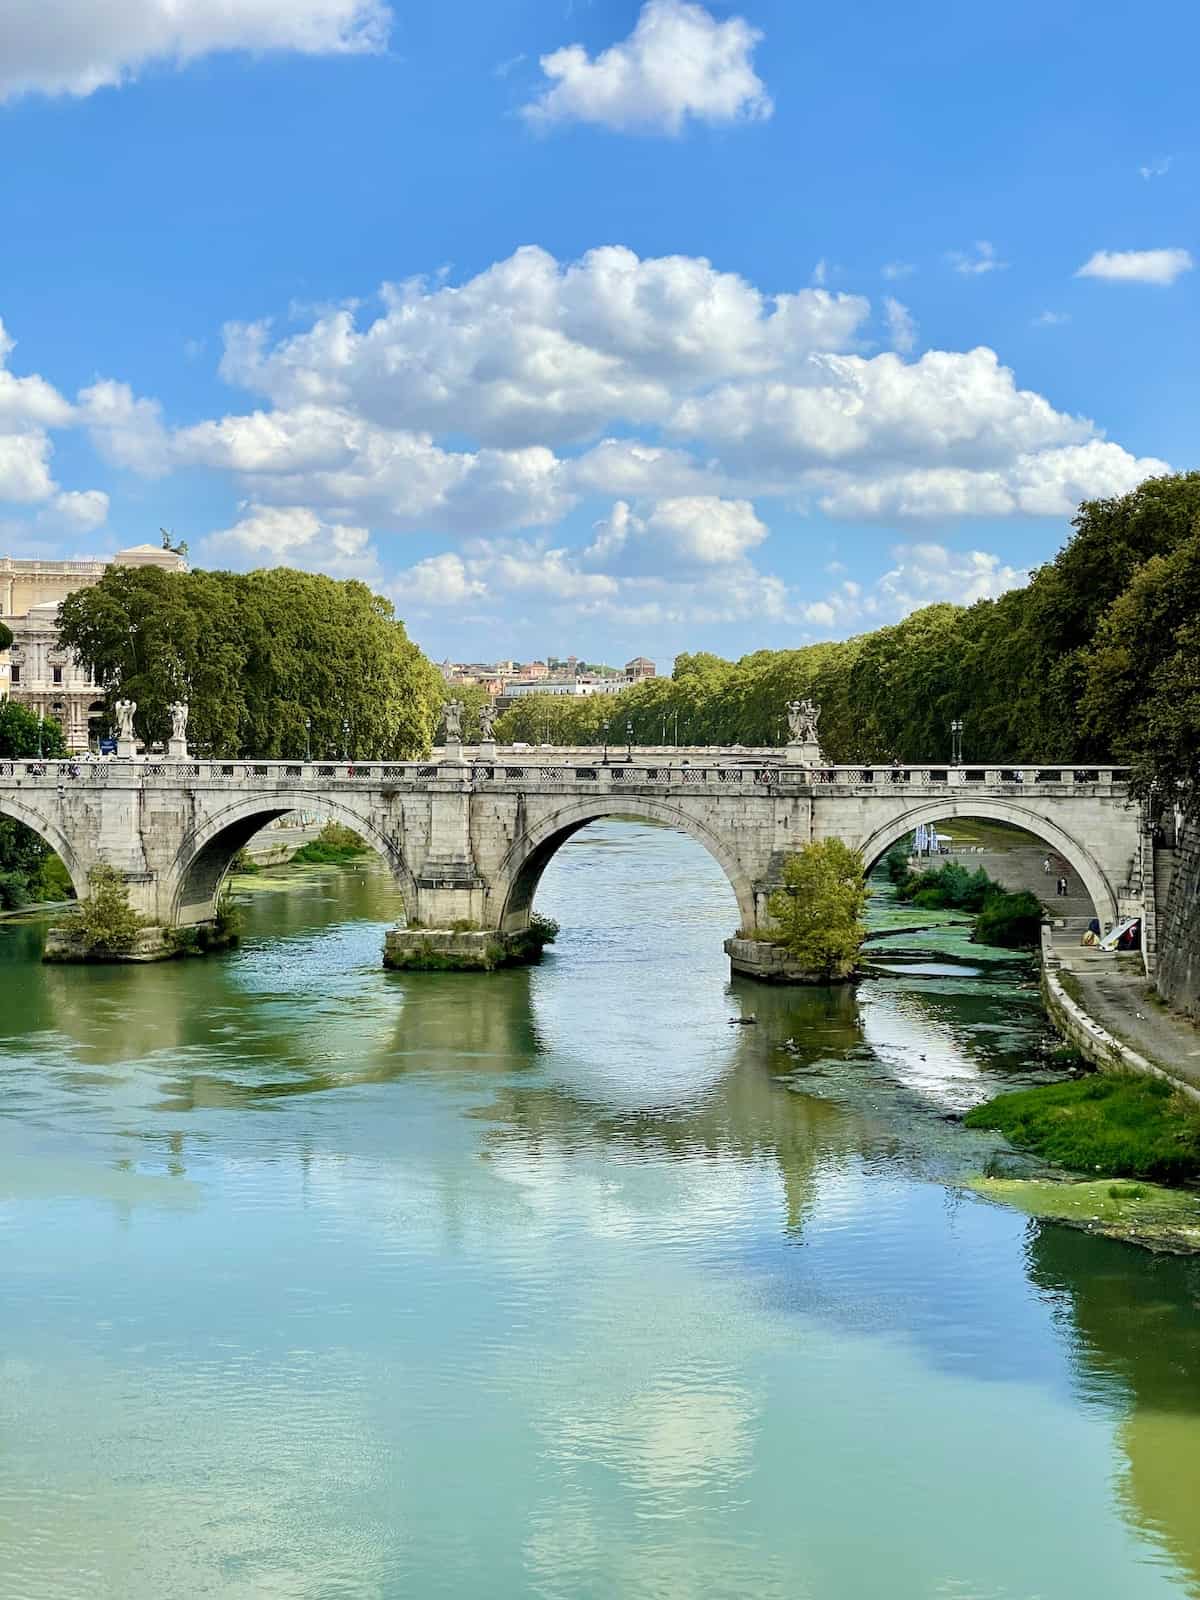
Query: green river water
(325, 1283)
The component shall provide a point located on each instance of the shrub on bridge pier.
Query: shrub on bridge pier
(106, 925)
(819, 910)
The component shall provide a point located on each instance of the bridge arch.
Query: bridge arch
(527, 859)
(50, 833)
(206, 854)
(1101, 892)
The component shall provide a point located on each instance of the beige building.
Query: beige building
(36, 672)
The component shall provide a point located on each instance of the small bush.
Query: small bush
(222, 933)
(332, 846)
(106, 924)
(1114, 1123)
(14, 891)
(244, 864)
(949, 887)
(819, 907)
(896, 862)
(1011, 921)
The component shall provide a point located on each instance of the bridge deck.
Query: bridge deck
(542, 771)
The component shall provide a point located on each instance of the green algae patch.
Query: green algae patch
(1120, 1124)
(1140, 1213)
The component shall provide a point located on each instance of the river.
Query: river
(327, 1283)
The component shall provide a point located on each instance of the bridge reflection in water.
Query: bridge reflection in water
(652, 1297)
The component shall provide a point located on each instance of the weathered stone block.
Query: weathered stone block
(455, 950)
(151, 944)
(770, 963)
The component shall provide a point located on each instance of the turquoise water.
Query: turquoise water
(322, 1282)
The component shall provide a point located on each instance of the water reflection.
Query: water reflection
(324, 1281)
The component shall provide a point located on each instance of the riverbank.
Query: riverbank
(1073, 1161)
(1112, 1013)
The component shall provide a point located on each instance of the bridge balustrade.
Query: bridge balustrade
(715, 773)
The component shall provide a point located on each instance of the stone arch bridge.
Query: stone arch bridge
(467, 837)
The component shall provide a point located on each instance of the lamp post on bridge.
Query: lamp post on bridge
(629, 742)
(345, 739)
(956, 733)
(308, 738)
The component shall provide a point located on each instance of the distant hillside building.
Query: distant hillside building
(37, 672)
(640, 667)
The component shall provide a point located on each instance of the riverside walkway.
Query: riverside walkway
(1115, 992)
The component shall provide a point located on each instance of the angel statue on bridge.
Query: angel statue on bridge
(453, 714)
(179, 719)
(125, 710)
(487, 723)
(803, 716)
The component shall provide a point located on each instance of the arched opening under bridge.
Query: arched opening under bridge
(205, 857)
(1082, 870)
(527, 861)
(50, 834)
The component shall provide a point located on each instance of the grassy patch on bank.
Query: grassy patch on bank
(1120, 1124)
(332, 846)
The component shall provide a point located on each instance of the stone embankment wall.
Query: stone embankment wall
(1178, 971)
(1094, 1043)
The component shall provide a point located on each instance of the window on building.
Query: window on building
(16, 674)
(57, 674)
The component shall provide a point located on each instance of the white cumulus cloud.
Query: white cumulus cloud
(925, 573)
(75, 47)
(687, 532)
(295, 536)
(82, 510)
(678, 62)
(1137, 266)
(902, 325)
(534, 348)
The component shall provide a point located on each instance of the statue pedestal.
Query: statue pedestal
(177, 750)
(452, 751)
(487, 752)
(807, 754)
(126, 749)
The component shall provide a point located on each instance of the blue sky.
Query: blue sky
(614, 327)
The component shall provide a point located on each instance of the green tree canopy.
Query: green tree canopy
(22, 729)
(6, 637)
(819, 910)
(270, 662)
(1142, 688)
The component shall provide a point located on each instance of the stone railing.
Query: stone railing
(541, 770)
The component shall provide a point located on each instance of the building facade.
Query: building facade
(36, 672)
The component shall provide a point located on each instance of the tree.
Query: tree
(105, 923)
(6, 637)
(819, 910)
(272, 663)
(23, 734)
(1142, 689)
